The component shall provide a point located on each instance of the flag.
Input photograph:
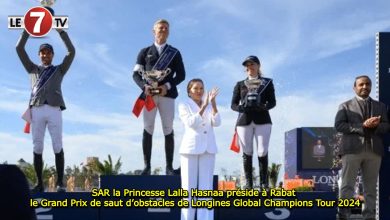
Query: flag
(234, 146)
(27, 128)
(142, 101)
(139, 104)
(27, 116)
(149, 103)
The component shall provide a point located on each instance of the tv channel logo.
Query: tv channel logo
(38, 21)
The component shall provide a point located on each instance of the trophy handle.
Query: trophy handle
(164, 73)
(161, 74)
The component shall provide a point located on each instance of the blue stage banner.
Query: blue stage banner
(323, 213)
(147, 183)
(73, 206)
(131, 203)
(116, 192)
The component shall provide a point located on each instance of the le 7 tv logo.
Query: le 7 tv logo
(38, 21)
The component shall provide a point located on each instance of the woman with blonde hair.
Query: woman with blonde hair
(253, 98)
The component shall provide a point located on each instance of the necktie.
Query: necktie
(367, 108)
(367, 114)
(160, 50)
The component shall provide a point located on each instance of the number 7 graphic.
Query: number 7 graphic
(38, 21)
(40, 15)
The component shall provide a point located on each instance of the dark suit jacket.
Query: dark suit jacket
(259, 116)
(148, 57)
(349, 121)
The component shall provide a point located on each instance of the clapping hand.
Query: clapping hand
(210, 97)
(372, 122)
(213, 94)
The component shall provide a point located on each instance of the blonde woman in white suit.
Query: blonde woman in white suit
(198, 148)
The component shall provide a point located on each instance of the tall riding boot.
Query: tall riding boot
(38, 166)
(248, 171)
(169, 149)
(263, 167)
(60, 163)
(147, 150)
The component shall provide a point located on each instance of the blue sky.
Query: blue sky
(312, 50)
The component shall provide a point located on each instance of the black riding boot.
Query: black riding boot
(60, 163)
(263, 167)
(147, 150)
(169, 149)
(248, 171)
(38, 166)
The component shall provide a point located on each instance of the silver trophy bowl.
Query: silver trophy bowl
(252, 97)
(252, 85)
(47, 3)
(153, 77)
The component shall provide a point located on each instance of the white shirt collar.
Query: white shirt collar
(159, 47)
(256, 77)
(46, 66)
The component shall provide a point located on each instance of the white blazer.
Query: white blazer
(198, 130)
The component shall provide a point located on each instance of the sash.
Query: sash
(264, 83)
(39, 84)
(165, 58)
(42, 81)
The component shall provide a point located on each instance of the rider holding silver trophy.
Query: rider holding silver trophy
(46, 100)
(158, 70)
(253, 98)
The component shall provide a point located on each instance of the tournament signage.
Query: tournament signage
(38, 21)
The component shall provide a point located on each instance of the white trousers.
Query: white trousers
(261, 133)
(197, 173)
(50, 116)
(166, 109)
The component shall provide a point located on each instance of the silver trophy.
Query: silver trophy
(153, 77)
(252, 97)
(48, 4)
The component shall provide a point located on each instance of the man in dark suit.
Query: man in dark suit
(362, 122)
(148, 58)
